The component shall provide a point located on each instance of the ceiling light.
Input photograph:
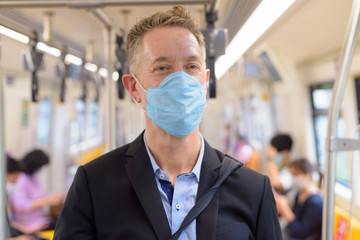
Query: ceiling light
(50, 50)
(14, 35)
(91, 67)
(115, 76)
(260, 20)
(69, 58)
(103, 72)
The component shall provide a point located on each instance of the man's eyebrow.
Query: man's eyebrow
(160, 59)
(193, 58)
(166, 59)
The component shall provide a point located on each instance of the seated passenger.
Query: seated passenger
(29, 197)
(304, 220)
(13, 170)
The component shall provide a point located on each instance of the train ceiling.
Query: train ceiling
(75, 25)
(310, 29)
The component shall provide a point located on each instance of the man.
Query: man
(145, 189)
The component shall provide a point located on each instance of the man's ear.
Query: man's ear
(130, 85)
(207, 77)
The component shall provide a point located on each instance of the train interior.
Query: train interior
(282, 81)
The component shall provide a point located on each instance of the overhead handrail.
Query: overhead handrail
(332, 146)
(93, 3)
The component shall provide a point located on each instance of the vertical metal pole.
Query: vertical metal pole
(2, 164)
(110, 90)
(345, 61)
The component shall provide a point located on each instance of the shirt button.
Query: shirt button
(177, 206)
(162, 176)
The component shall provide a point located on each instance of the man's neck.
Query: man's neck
(174, 155)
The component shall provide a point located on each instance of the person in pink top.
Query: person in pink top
(29, 199)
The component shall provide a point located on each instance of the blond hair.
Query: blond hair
(177, 16)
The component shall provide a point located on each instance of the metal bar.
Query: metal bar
(93, 4)
(343, 144)
(110, 90)
(105, 20)
(10, 18)
(109, 41)
(102, 17)
(3, 217)
(345, 61)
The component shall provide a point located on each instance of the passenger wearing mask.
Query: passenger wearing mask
(29, 198)
(304, 220)
(279, 160)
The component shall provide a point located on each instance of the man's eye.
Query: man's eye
(192, 69)
(161, 68)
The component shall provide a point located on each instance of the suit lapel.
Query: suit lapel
(206, 221)
(141, 175)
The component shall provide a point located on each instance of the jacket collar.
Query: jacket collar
(141, 175)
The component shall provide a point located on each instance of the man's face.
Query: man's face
(166, 50)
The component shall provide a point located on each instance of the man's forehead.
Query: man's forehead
(165, 43)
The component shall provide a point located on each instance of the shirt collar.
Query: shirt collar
(195, 170)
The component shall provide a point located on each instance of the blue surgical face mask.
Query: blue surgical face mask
(177, 104)
(277, 159)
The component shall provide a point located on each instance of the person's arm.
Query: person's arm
(274, 175)
(22, 202)
(76, 218)
(273, 170)
(51, 200)
(284, 208)
(268, 227)
(22, 237)
(34, 228)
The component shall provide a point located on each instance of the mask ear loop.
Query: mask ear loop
(137, 81)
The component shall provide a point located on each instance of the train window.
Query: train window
(243, 119)
(321, 98)
(78, 125)
(92, 120)
(74, 72)
(248, 127)
(44, 121)
(80, 107)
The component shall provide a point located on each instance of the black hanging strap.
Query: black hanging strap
(228, 166)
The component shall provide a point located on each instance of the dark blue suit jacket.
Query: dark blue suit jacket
(116, 197)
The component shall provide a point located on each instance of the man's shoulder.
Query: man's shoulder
(244, 177)
(249, 176)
